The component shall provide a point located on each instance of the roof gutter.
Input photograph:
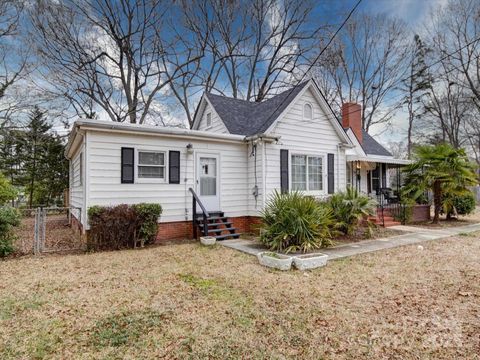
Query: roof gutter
(73, 141)
(262, 137)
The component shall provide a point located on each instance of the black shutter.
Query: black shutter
(331, 173)
(174, 167)
(384, 175)
(127, 170)
(283, 171)
(369, 181)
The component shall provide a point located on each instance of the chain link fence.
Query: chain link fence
(49, 229)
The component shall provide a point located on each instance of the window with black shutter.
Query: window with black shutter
(128, 163)
(174, 167)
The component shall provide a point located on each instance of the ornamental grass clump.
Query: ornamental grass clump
(295, 222)
(350, 208)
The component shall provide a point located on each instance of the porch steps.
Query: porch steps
(388, 220)
(218, 226)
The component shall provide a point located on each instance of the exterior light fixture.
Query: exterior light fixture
(189, 148)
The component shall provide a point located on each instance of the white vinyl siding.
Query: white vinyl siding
(216, 124)
(76, 182)
(105, 187)
(317, 137)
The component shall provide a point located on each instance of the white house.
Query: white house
(236, 155)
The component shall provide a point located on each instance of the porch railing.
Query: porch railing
(205, 214)
(390, 207)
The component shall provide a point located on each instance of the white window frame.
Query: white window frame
(151, 180)
(324, 172)
(303, 111)
(207, 121)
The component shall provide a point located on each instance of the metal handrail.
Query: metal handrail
(195, 200)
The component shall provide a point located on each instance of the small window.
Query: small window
(307, 112)
(209, 119)
(151, 165)
(307, 173)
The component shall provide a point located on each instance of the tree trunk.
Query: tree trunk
(437, 200)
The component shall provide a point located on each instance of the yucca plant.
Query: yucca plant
(350, 208)
(295, 222)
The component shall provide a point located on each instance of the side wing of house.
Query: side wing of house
(312, 146)
(152, 162)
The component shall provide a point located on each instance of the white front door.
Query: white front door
(207, 181)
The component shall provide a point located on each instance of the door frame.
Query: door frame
(196, 169)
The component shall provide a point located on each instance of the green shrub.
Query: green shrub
(9, 217)
(148, 214)
(122, 226)
(7, 191)
(464, 204)
(350, 208)
(295, 222)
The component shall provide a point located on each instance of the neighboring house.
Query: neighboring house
(236, 155)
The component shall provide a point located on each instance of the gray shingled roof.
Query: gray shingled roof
(247, 118)
(372, 147)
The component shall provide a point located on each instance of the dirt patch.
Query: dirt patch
(59, 235)
(361, 235)
(188, 301)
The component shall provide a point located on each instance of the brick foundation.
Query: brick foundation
(182, 230)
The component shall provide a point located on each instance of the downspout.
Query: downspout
(85, 181)
(338, 169)
(264, 174)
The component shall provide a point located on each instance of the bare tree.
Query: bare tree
(416, 87)
(109, 56)
(456, 35)
(448, 113)
(454, 106)
(365, 64)
(253, 48)
(13, 60)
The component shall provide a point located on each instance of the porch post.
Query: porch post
(357, 175)
(398, 180)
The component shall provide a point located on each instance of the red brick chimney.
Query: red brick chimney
(352, 118)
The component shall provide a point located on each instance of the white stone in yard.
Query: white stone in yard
(276, 261)
(310, 261)
(207, 240)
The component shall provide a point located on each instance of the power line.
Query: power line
(326, 117)
(416, 73)
(316, 59)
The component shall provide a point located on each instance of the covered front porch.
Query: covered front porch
(378, 177)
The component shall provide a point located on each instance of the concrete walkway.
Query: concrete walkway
(414, 235)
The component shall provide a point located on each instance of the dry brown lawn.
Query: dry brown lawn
(186, 301)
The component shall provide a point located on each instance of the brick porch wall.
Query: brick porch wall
(421, 213)
(182, 230)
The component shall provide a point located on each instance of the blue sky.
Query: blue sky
(414, 12)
